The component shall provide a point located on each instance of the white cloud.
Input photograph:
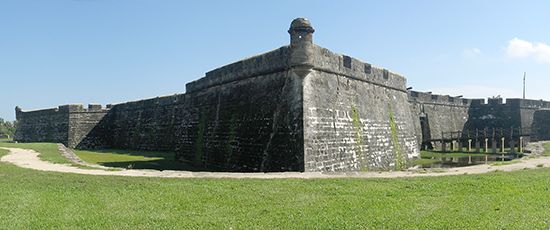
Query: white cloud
(543, 54)
(470, 53)
(518, 48)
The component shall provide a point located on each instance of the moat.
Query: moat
(463, 161)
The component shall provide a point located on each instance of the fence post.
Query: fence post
(502, 145)
(521, 144)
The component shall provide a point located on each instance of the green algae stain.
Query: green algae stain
(357, 125)
(199, 142)
(231, 140)
(399, 157)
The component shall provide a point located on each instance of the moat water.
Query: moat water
(453, 162)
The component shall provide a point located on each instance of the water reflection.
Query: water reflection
(452, 162)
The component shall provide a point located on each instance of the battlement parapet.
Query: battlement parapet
(514, 102)
(528, 103)
(328, 61)
(272, 61)
(70, 108)
(150, 102)
(428, 97)
(495, 101)
(79, 108)
(20, 113)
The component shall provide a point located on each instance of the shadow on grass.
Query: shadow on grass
(166, 155)
(163, 164)
(158, 160)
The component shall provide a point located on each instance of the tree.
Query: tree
(7, 128)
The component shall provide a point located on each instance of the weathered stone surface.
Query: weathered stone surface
(439, 114)
(435, 114)
(355, 120)
(248, 125)
(48, 125)
(541, 124)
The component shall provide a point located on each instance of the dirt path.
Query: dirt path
(29, 159)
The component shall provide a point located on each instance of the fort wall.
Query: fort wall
(67, 124)
(541, 124)
(516, 113)
(249, 121)
(435, 114)
(356, 116)
(252, 124)
(46, 125)
(440, 114)
(82, 121)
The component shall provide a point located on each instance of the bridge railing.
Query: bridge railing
(482, 140)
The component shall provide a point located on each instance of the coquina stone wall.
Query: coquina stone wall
(515, 113)
(356, 116)
(47, 125)
(435, 114)
(246, 116)
(67, 124)
(541, 124)
(439, 114)
(251, 124)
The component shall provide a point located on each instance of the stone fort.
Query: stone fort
(300, 107)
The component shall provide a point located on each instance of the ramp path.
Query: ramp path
(29, 159)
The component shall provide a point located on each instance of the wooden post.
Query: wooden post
(521, 144)
(469, 145)
(512, 141)
(453, 145)
(443, 144)
(494, 143)
(502, 144)
(478, 147)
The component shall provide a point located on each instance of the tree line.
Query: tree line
(7, 128)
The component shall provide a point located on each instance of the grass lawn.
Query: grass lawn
(36, 199)
(547, 149)
(132, 159)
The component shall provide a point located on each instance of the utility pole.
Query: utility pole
(524, 73)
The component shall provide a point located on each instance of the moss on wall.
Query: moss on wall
(230, 144)
(199, 142)
(358, 126)
(398, 151)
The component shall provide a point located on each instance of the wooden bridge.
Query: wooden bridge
(486, 140)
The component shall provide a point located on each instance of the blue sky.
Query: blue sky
(106, 51)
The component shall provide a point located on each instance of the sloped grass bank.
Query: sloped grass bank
(48, 151)
(35, 199)
(547, 149)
